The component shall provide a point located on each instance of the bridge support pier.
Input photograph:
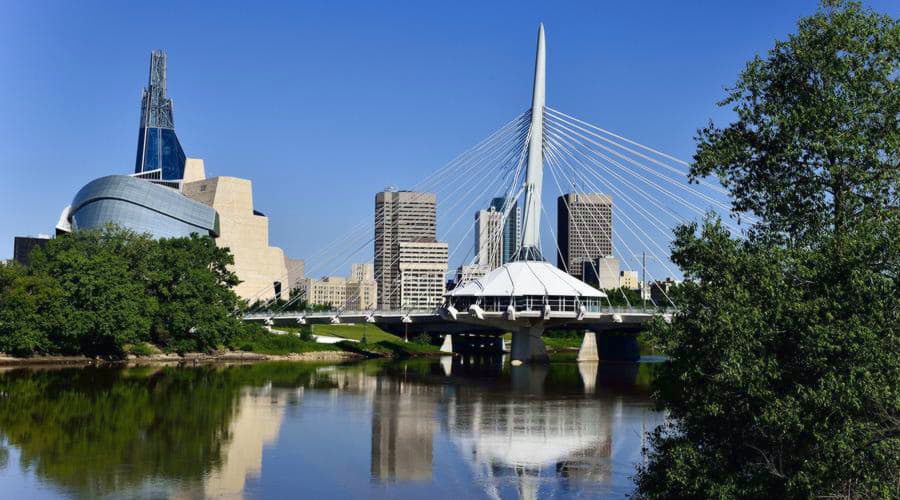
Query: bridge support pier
(527, 345)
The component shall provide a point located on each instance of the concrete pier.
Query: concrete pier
(527, 345)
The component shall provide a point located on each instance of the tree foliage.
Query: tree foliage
(816, 141)
(784, 361)
(93, 292)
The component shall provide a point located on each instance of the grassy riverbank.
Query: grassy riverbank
(370, 341)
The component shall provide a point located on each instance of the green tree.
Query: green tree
(30, 308)
(785, 355)
(105, 305)
(816, 142)
(191, 284)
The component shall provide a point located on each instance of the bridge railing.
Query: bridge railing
(429, 312)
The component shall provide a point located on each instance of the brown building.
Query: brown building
(584, 230)
(402, 217)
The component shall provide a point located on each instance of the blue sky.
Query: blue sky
(322, 104)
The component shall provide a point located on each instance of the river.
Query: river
(437, 428)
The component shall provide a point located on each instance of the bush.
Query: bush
(141, 349)
(422, 339)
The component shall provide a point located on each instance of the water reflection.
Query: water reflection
(472, 427)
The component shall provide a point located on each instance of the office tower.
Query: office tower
(422, 269)
(512, 228)
(403, 217)
(496, 239)
(489, 238)
(584, 229)
(159, 154)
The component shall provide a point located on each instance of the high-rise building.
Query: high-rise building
(512, 227)
(496, 238)
(489, 238)
(159, 154)
(584, 230)
(400, 217)
(422, 266)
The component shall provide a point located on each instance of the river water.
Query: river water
(438, 428)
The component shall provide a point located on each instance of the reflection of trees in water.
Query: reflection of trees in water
(98, 431)
(200, 431)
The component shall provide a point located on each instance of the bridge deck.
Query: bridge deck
(610, 317)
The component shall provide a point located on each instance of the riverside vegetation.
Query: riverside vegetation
(784, 357)
(113, 292)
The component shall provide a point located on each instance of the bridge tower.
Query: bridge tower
(527, 295)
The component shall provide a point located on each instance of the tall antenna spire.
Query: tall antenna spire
(535, 174)
(158, 146)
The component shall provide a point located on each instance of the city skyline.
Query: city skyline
(261, 133)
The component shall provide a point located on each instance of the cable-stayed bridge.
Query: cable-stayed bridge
(652, 193)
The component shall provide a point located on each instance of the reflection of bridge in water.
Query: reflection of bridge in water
(515, 434)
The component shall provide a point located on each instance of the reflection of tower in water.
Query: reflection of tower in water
(402, 423)
(402, 429)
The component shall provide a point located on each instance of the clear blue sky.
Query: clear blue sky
(322, 104)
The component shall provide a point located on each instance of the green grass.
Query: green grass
(377, 340)
(269, 343)
(562, 342)
(141, 349)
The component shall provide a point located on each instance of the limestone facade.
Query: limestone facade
(358, 293)
(260, 267)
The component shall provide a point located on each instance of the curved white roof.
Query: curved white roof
(528, 277)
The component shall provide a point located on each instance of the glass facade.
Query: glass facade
(158, 146)
(511, 236)
(159, 149)
(141, 206)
